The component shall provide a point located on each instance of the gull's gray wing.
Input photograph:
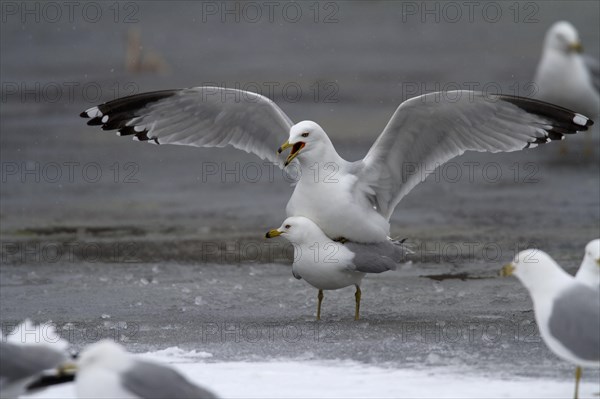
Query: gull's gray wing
(375, 257)
(575, 321)
(427, 131)
(154, 381)
(200, 117)
(23, 361)
(593, 67)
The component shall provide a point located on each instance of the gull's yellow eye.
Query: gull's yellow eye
(287, 226)
(305, 134)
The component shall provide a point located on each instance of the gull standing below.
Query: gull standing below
(331, 265)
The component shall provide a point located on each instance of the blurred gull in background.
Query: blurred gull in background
(567, 78)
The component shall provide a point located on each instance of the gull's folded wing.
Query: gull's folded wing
(22, 361)
(375, 257)
(575, 321)
(593, 66)
(429, 130)
(200, 117)
(149, 380)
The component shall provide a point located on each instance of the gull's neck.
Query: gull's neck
(553, 280)
(322, 153)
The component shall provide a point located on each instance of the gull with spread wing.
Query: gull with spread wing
(357, 204)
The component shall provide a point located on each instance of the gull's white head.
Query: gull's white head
(592, 252)
(306, 137)
(563, 37)
(589, 271)
(298, 230)
(104, 354)
(534, 268)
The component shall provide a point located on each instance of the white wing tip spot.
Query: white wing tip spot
(580, 120)
(93, 112)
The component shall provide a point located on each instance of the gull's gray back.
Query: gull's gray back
(575, 321)
(22, 361)
(376, 257)
(153, 381)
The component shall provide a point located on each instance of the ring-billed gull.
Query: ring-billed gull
(25, 354)
(567, 312)
(106, 370)
(331, 265)
(357, 201)
(564, 77)
(589, 271)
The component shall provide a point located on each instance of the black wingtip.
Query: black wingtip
(95, 121)
(84, 114)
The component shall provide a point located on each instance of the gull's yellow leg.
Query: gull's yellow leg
(320, 297)
(588, 149)
(577, 378)
(357, 298)
(562, 148)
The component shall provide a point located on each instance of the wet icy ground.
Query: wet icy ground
(159, 253)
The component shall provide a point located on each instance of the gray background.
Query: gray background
(137, 259)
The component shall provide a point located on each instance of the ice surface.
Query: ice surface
(335, 379)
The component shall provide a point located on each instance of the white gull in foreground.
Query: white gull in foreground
(567, 312)
(106, 370)
(352, 200)
(25, 353)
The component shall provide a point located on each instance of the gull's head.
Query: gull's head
(103, 354)
(592, 253)
(532, 267)
(305, 137)
(297, 229)
(563, 37)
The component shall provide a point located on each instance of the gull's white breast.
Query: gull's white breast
(100, 383)
(324, 265)
(333, 204)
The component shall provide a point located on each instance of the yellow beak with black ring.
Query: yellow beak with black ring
(296, 148)
(273, 233)
(507, 270)
(576, 47)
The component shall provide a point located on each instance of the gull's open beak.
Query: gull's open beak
(273, 233)
(576, 47)
(283, 147)
(296, 147)
(507, 270)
